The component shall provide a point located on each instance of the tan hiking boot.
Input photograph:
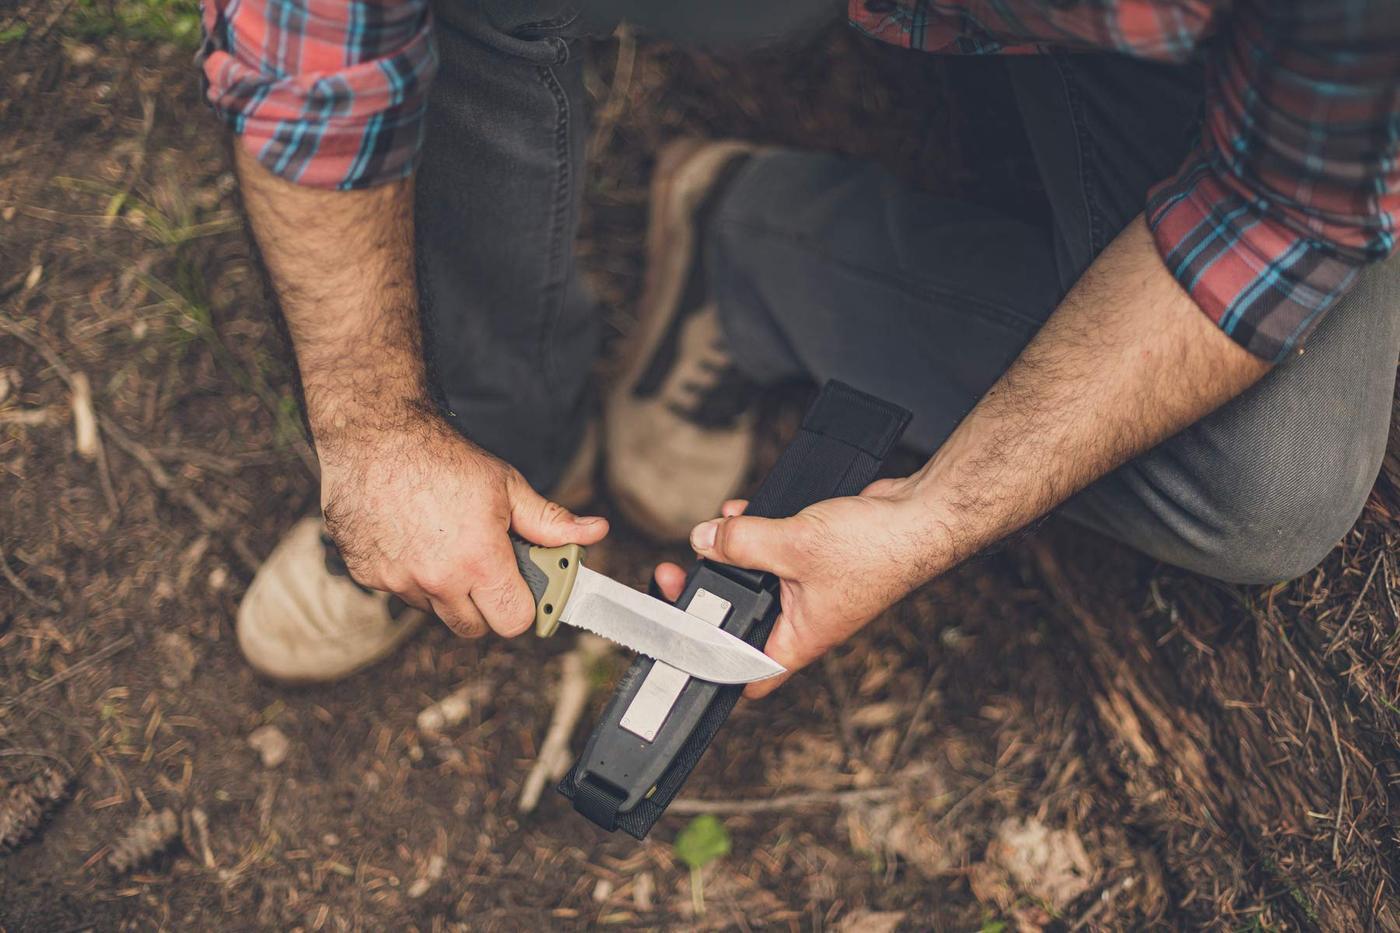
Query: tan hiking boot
(678, 423)
(304, 620)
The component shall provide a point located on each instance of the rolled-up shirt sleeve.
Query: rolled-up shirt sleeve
(1294, 186)
(324, 93)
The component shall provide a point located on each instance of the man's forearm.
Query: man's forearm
(1126, 361)
(342, 265)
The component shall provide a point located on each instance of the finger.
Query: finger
(788, 649)
(501, 595)
(417, 599)
(671, 579)
(460, 615)
(757, 543)
(734, 507)
(540, 521)
(506, 625)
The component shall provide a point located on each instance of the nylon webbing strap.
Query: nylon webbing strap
(844, 437)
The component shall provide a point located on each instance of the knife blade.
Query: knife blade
(567, 591)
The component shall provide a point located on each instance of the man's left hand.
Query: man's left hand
(841, 562)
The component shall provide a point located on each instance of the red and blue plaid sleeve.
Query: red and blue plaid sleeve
(1295, 185)
(325, 93)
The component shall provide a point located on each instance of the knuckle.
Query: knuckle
(732, 536)
(434, 579)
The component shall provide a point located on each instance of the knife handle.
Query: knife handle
(549, 572)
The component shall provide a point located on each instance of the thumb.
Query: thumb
(540, 521)
(745, 541)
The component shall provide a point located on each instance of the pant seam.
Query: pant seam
(552, 300)
(1085, 155)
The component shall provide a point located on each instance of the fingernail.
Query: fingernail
(702, 538)
(587, 520)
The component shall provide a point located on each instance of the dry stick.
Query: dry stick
(686, 806)
(840, 698)
(606, 121)
(38, 753)
(553, 759)
(1365, 588)
(138, 164)
(1336, 742)
(101, 654)
(206, 516)
(27, 417)
(915, 720)
(80, 390)
(24, 590)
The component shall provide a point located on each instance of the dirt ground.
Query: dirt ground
(946, 770)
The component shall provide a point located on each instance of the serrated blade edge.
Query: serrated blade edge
(659, 630)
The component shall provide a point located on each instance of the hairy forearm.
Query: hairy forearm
(1126, 361)
(341, 263)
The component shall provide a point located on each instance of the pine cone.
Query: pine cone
(147, 837)
(25, 805)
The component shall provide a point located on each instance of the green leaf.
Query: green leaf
(703, 841)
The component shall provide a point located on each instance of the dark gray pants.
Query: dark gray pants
(826, 267)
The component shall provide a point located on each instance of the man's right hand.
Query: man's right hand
(419, 511)
(416, 509)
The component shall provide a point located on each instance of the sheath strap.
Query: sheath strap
(844, 437)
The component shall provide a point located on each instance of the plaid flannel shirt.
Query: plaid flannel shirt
(1292, 188)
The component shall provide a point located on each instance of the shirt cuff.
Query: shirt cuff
(1263, 283)
(352, 127)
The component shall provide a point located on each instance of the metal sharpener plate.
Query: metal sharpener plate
(647, 712)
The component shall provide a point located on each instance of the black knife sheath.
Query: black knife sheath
(659, 722)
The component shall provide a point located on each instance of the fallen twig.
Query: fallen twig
(553, 759)
(686, 806)
(1356, 604)
(163, 480)
(101, 654)
(608, 114)
(23, 589)
(29, 417)
(85, 439)
(88, 443)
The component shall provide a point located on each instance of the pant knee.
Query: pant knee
(1278, 539)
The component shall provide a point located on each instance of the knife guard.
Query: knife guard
(628, 774)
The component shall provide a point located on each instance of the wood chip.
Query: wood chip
(84, 418)
(447, 712)
(271, 743)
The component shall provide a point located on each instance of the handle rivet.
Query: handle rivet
(549, 609)
(563, 563)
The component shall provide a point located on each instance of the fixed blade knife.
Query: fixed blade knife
(567, 591)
